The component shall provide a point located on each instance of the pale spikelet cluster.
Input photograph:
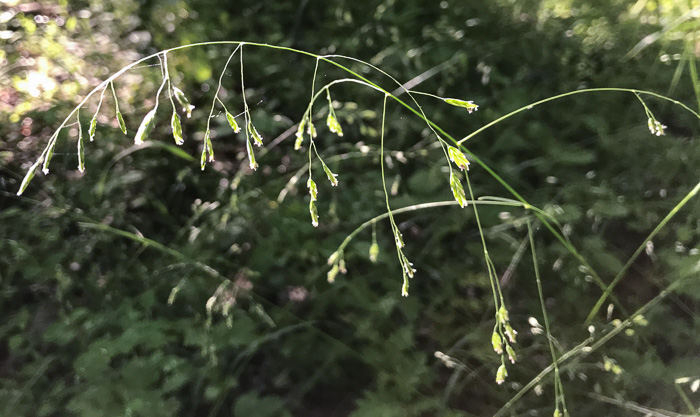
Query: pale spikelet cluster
(502, 339)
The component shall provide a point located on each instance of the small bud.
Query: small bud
(332, 273)
(501, 374)
(404, 289)
(331, 176)
(695, 385)
(28, 177)
(254, 133)
(341, 266)
(373, 252)
(557, 413)
(120, 119)
(334, 257)
(510, 332)
(232, 122)
(333, 124)
(208, 146)
(251, 156)
(81, 148)
(511, 354)
(497, 343)
(311, 129)
(469, 105)
(177, 129)
(640, 320)
(182, 99)
(398, 238)
(457, 190)
(210, 303)
(655, 127)
(408, 268)
(93, 128)
(145, 128)
(300, 134)
(502, 315)
(314, 215)
(49, 155)
(458, 158)
(313, 190)
(173, 294)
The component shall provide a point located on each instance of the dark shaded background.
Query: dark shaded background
(86, 325)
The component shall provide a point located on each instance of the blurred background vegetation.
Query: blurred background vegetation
(87, 328)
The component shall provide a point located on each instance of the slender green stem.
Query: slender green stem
(114, 94)
(632, 406)
(686, 400)
(218, 87)
(312, 130)
(394, 227)
(493, 279)
(162, 84)
(559, 393)
(170, 85)
(571, 93)
(639, 250)
(416, 207)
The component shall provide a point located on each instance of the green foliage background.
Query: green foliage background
(86, 326)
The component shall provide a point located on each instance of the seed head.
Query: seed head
(510, 333)
(458, 190)
(232, 122)
(497, 343)
(655, 127)
(373, 252)
(501, 374)
(511, 353)
(313, 190)
(458, 158)
(333, 124)
(502, 315)
(469, 105)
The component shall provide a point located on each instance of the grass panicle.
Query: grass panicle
(503, 336)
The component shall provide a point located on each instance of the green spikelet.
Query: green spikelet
(145, 127)
(232, 122)
(28, 177)
(469, 105)
(177, 129)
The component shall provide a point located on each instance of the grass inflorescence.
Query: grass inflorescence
(458, 160)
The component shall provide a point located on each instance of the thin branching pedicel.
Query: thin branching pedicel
(655, 127)
(81, 145)
(406, 266)
(250, 129)
(120, 118)
(559, 398)
(93, 122)
(311, 130)
(175, 123)
(332, 119)
(148, 121)
(208, 148)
